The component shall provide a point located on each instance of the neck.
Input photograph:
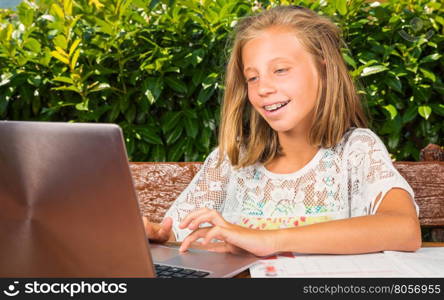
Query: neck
(296, 148)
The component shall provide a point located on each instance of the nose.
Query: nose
(266, 87)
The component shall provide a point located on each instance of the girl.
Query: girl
(295, 169)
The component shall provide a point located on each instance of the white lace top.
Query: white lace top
(339, 182)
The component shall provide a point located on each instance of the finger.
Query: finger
(165, 228)
(215, 232)
(145, 225)
(212, 217)
(150, 229)
(191, 216)
(197, 234)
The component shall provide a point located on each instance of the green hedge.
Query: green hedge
(156, 68)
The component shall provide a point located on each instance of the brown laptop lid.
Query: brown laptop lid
(68, 208)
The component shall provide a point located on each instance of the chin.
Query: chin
(281, 129)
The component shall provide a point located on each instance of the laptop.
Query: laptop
(68, 208)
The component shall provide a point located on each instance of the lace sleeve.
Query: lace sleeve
(207, 189)
(371, 173)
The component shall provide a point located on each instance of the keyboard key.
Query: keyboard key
(175, 270)
(201, 274)
(166, 273)
(187, 271)
(161, 268)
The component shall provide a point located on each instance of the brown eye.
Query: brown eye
(282, 70)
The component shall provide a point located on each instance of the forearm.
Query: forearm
(355, 235)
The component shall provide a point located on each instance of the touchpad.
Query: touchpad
(162, 253)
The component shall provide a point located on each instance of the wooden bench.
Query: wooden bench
(159, 184)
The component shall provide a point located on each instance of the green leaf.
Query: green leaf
(176, 151)
(174, 135)
(149, 135)
(349, 60)
(393, 141)
(394, 83)
(158, 153)
(26, 14)
(205, 138)
(63, 79)
(67, 7)
(438, 109)
(46, 58)
(74, 46)
(115, 111)
(33, 45)
(427, 74)
(440, 20)
(99, 87)
(60, 41)
(57, 11)
(104, 26)
(392, 110)
(82, 105)
(74, 59)
(198, 77)
(191, 127)
(430, 58)
(176, 84)
(144, 147)
(205, 94)
(35, 80)
(341, 6)
(425, 111)
(421, 92)
(373, 70)
(60, 57)
(410, 114)
(152, 88)
(71, 88)
(153, 4)
(130, 114)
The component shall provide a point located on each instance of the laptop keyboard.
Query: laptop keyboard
(175, 272)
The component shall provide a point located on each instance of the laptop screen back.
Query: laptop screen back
(68, 207)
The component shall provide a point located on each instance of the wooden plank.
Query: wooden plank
(427, 181)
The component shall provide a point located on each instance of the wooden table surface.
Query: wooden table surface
(246, 273)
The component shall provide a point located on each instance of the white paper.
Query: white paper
(426, 262)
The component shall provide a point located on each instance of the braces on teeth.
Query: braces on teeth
(275, 106)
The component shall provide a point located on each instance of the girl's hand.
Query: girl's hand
(235, 239)
(159, 233)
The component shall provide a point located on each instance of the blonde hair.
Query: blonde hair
(337, 108)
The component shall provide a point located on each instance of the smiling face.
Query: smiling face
(282, 80)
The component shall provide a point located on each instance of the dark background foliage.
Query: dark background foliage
(156, 67)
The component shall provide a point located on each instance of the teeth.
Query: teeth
(275, 106)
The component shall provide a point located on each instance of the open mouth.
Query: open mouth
(276, 106)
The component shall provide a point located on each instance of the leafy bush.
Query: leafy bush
(156, 68)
